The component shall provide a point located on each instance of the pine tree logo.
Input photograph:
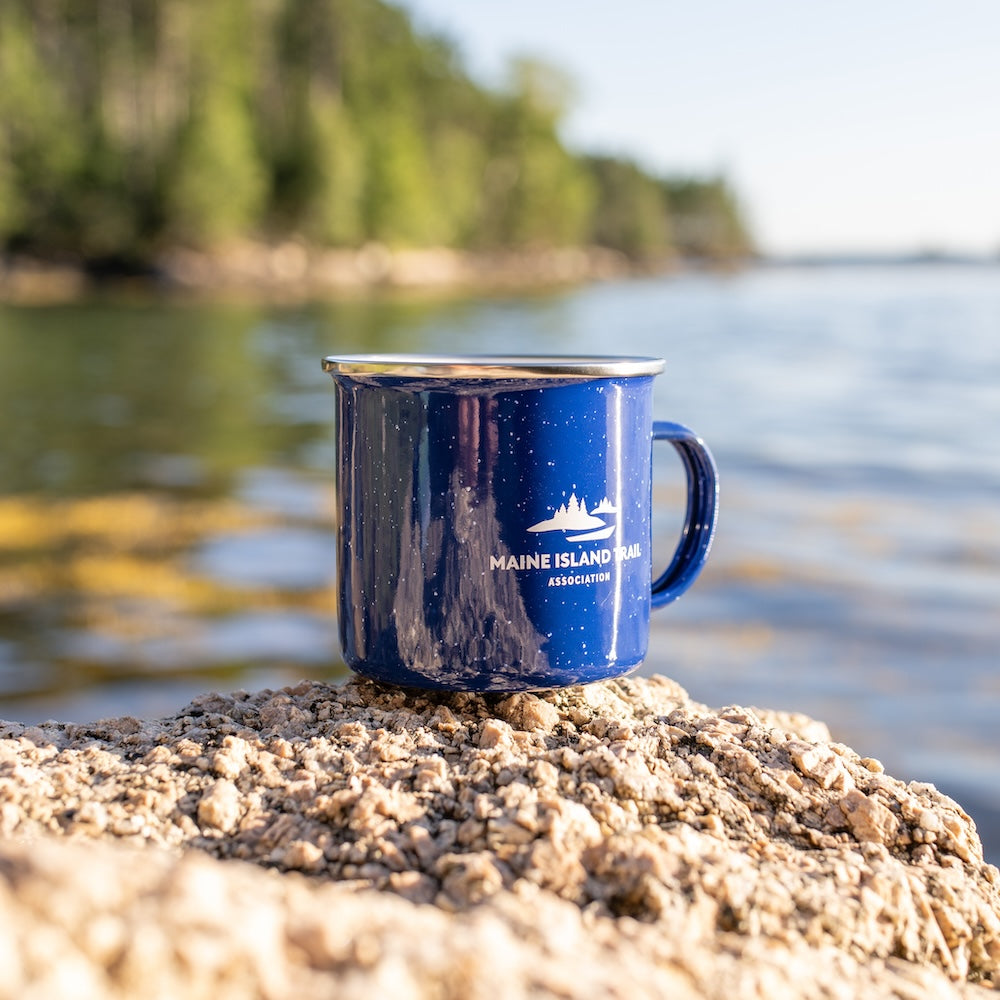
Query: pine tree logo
(573, 516)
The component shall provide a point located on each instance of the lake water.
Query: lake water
(166, 525)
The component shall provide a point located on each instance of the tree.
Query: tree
(10, 205)
(40, 141)
(630, 213)
(536, 193)
(127, 125)
(217, 185)
(319, 180)
(457, 162)
(707, 220)
(399, 202)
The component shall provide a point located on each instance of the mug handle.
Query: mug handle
(702, 512)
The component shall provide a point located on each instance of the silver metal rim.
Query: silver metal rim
(473, 366)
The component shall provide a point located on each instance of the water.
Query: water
(166, 524)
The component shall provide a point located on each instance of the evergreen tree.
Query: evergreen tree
(631, 213)
(537, 194)
(319, 177)
(458, 161)
(706, 217)
(127, 125)
(399, 203)
(39, 136)
(217, 184)
(217, 187)
(10, 206)
(333, 208)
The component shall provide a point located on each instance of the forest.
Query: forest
(129, 126)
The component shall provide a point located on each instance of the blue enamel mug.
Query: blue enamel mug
(493, 518)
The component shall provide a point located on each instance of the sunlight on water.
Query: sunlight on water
(166, 524)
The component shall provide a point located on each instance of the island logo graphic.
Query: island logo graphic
(578, 525)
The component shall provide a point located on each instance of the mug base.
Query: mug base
(499, 681)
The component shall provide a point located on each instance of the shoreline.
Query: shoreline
(293, 272)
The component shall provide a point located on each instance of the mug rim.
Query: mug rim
(476, 366)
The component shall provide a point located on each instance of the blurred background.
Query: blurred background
(796, 207)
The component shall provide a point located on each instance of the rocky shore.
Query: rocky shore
(294, 271)
(616, 840)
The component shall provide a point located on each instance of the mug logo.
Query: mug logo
(578, 523)
(572, 516)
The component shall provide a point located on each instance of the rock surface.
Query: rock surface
(616, 840)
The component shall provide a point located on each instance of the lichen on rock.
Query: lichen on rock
(617, 837)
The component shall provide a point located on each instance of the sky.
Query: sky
(846, 127)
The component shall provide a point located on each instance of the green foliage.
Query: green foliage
(399, 204)
(458, 160)
(535, 193)
(333, 170)
(127, 125)
(631, 213)
(707, 220)
(217, 184)
(546, 91)
(10, 203)
(39, 134)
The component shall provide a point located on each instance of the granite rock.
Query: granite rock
(617, 839)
